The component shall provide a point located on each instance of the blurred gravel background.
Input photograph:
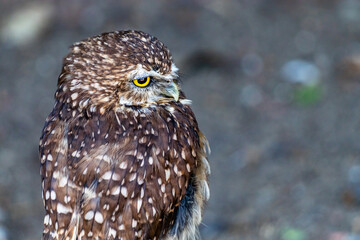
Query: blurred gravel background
(275, 86)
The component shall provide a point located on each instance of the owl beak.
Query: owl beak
(172, 91)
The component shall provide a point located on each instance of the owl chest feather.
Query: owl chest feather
(133, 167)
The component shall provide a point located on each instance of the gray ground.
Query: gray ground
(275, 87)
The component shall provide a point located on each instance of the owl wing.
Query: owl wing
(59, 193)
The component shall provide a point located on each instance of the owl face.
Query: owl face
(148, 86)
(128, 68)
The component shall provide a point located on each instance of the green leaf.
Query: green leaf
(293, 234)
(308, 94)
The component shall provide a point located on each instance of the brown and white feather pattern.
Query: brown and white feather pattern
(120, 171)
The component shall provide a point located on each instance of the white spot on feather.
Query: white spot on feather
(115, 190)
(151, 160)
(112, 232)
(167, 174)
(134, 223)
(74, 96)
(53, 195)
(89, 215)
(107, 175)
(99, 218)
(123, 165)
(63, 209)
(124, 191)
(139, 204)
(63, 182)
(46, 219)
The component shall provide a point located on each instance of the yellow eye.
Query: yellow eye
(142, 82)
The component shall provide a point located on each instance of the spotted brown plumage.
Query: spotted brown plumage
(121, 160)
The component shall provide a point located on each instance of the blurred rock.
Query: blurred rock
(349, 198)
(349, 11)
(356, 224)
(351, 195)
(338, 236)
(2, 215)
(305, 41)
(3, 233)
(343, 236)
(3, 229)
(26, 24)
(251, 95)
(246, 155)
(252, 64)
(301, 71)
(354, 174)
(349, 67)
(267, 231)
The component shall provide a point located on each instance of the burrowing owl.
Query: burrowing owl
(122, 156)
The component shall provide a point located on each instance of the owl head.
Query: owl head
(126, 68)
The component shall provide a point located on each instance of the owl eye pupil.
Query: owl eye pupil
(142, 82)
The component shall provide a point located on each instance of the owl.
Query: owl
(122, 156)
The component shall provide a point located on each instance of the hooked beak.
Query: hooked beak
(172, 91)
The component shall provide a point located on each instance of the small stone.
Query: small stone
(27, 24)
(252, 64)
(300, 71)
(3, 233)
(354, 174)
(349, 67)
(251, 95)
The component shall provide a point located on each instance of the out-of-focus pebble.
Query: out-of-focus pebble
(350, 66)
(267, 231)
(300, 71)
(343, 236)
(2, 215)
(351, 196)
(3, 233)
(349, 11)
(251, 95)
(26, 24)
(354, 174)
(356, 224)
(248, 154)
(252, 64)
(305, 41)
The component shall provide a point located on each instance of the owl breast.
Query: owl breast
(129, 168)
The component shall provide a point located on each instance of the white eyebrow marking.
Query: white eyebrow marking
(140, 72)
